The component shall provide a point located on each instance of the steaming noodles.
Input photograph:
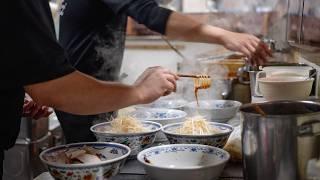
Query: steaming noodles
(202, 82)
(126, 124)
(197, 125)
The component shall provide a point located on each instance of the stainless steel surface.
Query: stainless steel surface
(296, 27)
(33, 129)
(22, 161)
(253, 76)
(278, 146)
(133, 170)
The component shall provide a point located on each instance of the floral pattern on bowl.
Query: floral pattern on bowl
(162, 116)
(183, 161)
(113, 157)
(216, 140)
(136, 141)
(184, 148)
(214, 110)
(158, 114)
(166, 104)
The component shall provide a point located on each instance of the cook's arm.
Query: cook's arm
(78, 93)
(182, 27)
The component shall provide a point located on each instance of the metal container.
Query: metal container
(33, 129)
(279, 145)
(253, 76)
(22, 161)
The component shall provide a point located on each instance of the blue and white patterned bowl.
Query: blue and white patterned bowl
(159, 115)
(214, 110)
(216, 140)
(112, 154)
(136, 141)
(183, 161)
(162, 116)
(178, 104)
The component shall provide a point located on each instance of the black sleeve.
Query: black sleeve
(146, 12)
(32, 53)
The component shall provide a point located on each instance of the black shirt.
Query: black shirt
(31, 55)
(93, 31)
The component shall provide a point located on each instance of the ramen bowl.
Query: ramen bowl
(112, 156)
(214, 110)
(162, 116)
(217, 139)
(136, 141)
(178, 104)
(183, 161)
(284, 88)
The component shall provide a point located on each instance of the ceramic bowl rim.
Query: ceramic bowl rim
(197, 136)
(111, 161)
(185, 102)
(183, 114)
(99, 133)
(303, 80)
(140, 158)
(235, 104)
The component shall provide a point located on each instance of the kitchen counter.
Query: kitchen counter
(133, 170)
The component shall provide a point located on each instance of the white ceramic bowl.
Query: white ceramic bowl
(112, 154)
(214, 110)
(183, 162)
(285, 88)
(136, 141)
(178, 104)
(216, 140)
(162, 116)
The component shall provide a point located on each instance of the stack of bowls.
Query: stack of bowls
(178, 104)
(162, 116)
(214, 110)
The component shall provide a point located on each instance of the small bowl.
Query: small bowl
(214, 110)
(183, 161)
(162, 116)
(285, 88)
(136, 141)
(114, 158)
(178, 104)
(159, 115)
(216, 140)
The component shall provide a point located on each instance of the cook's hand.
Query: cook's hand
(252, 47)
(154, 83)
(33, 110)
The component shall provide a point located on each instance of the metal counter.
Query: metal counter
(133, 170)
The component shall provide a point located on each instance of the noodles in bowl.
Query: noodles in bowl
(126, 124)
(198, 125)
(197, 130)
(129, 131)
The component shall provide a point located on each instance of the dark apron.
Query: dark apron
(106, 63)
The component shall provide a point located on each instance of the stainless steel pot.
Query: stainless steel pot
(279, 145)
(253, 81)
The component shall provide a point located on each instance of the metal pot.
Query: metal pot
(279, 145)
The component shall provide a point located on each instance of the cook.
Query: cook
(93, 33)
(33, 62)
